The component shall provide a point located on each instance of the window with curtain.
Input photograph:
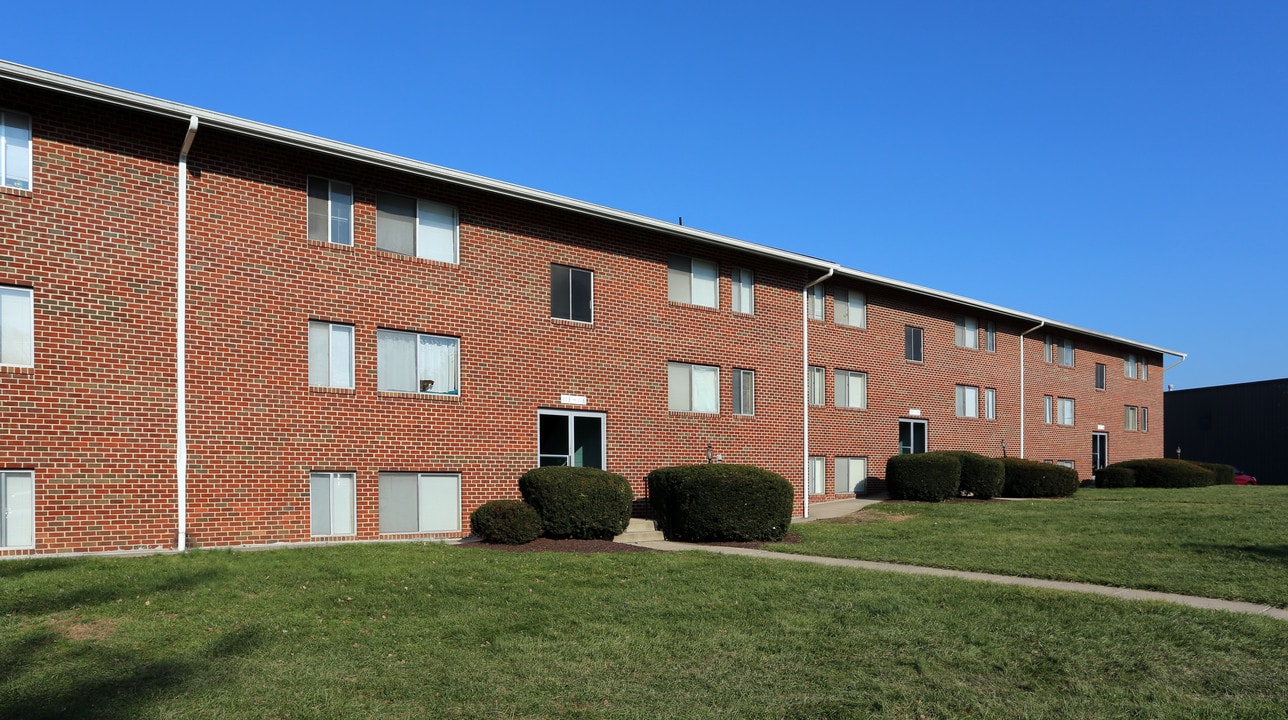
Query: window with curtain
(816, 294)
(420, 502)
(416, 227)
(693, 388)
(1066, 353)
(1129, 417)
(990, 336)
(1129, 366)
(15, 150)
(330, 211)
(412, 362)
(1064, 411)
(851, 475)
(1047, 401)
(967, 401)
(851, 389)
(332, 503)
(967, 332)
(744, 392)
(817, 379)
(17, 508)
(330, 355)
(990, 404)
(744, 291)
(17, 327)
(692, 281)
(817, 475)
(850, 307)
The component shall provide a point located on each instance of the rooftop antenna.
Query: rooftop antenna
(681, 219)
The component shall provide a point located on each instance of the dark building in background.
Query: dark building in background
(1245, 425)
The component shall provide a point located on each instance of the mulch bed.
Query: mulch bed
(599, 546)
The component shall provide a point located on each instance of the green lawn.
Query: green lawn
(432, 631)
(1226, 542)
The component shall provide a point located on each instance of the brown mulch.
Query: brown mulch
(601, 546)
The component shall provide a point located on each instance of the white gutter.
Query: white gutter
(181, 345)
(1178, 362)
(805, 360)
(1022, 369)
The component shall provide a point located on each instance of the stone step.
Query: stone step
(640, 530)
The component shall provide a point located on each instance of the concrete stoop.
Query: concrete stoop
(639, 531)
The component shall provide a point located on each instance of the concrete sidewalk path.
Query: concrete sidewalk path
(844, 507)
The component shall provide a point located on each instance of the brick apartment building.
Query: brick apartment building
(215, 332)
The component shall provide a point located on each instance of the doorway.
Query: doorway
(912, 437)
(1099, 450)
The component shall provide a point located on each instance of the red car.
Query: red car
(1242, 478)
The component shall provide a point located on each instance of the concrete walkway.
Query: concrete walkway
(845, 507)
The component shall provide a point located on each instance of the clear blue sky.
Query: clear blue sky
(1117, 165)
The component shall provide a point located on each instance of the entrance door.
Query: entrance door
(1099, 450)
(570, 438)
(912, 437)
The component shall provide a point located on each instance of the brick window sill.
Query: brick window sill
(324, 245)
(332, 390)
(413, 259)
(17, 370)
(15, 192)
(435, 397)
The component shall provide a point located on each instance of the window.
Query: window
(693, 388)
(851, 475)
(816, 302)
(1129, 417)
(817, 475)
(849, 308)
(420, 502)
(1048, 346)
(330, 355)
(817, 379)
(1099, 450)
(851, 389)
(990, 404)
(330, 211)
(1144, 419)
(411, 362)
(1129, 366)
(15, 150)
(576, 439)
(744, 291)
(1066, 353)
(421, 228)
(692, 281)
(331, 503)
(967, 332)
(572, 293)
(967, 401)
(1064, 411)
(1100, 376)
(1144, 369)
(912, 343)
(744, 392)
(912, 437)
(17, 327)
(990, 336)
(1047, 401)
(1065, 463)
(17, 509)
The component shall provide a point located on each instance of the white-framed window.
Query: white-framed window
(693, 281)
(1064, 411)
(420, 502)
(1065, 463)
(15, 150)
(816, 295)
(330, 211)
(851, 475)
(1066, 352)
(1100, 376)
(967, 332)
(744, 392)
(851, 389)
(967, 401)
(1047, 402)
(744, 291)
(817, 475)
(693, 388)
(330, 354)
(417, 363)
(568, 437)
(1129, 366)
(332, 503)
(572, 293)
(912, 343)
(849, 307)
(1144, 419)
(1129, 417)
(417, 227)
(17, 509)
(1144, 368)
(1048, 349)
(990, 404)
(817, 382)
(990, 336)
(17, 326)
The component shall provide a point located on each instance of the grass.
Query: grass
(424, 630)
(1227, 542)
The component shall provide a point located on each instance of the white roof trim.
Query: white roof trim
(135, 101)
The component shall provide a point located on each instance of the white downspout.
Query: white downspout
(1022, 369)
(1169, 367)
(805, 370)
(181, 346)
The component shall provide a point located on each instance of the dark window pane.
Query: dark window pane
(554, 435)
(559, 296)
(581, 281)
(396, 223)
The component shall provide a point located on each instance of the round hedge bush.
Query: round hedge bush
(926, 477)
(1030, 478)
(983, 477)
(1223, 474)
(1169, 473)
(719, 502)
(1115, 476)
(578, 502)
(510, 522)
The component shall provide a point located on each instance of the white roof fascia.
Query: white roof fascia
(270, 133)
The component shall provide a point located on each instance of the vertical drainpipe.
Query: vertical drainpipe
(805, 371)
(1022, 370)
(181, 347)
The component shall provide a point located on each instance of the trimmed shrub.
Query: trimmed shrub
(1115, 476)
(719, 502)
(927, 477)
(981, 476)
(578, 502)
(1030, 478)
(511, 522)
(1223, 474)
(1169, 473)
